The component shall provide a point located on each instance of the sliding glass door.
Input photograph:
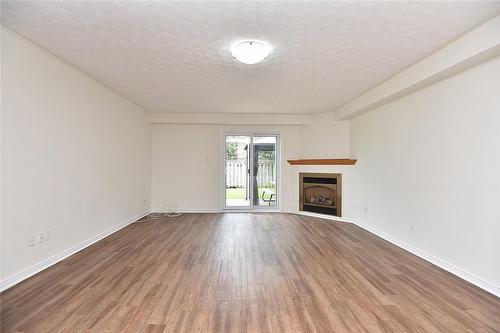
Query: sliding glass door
(251, 171)
(264, 171)
(237, 170)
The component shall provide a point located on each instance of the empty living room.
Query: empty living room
(250, 166)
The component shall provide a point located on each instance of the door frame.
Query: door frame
(251, 207)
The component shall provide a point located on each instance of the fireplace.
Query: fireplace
(321, 193)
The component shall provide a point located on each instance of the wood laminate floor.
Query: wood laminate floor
(244, 272)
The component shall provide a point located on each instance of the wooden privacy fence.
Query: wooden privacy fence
(236, 173)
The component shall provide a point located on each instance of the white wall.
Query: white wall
(186, 157)
(186, 164)
(75, 156)
(432, 160)
(324, 137)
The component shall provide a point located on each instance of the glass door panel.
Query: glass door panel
(237, 171)
(264, 175)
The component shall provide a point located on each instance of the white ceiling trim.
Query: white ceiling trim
(230, 119)
(479, 45)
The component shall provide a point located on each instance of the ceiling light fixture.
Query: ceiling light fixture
(250, 52)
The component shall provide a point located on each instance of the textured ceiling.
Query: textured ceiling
(174, 56)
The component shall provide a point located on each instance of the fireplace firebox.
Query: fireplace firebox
(321, 193)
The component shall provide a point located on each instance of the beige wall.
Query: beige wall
(186, 172)
(75, 157)
(324, 137)
(186, 154)
(432, 160)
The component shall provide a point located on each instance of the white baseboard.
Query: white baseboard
(194, 211)
(322, 216)
(215, 211)
(461, 273)
(255, 210)
(190, 211)
(30, 271)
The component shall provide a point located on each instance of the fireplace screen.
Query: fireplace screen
(321, 193)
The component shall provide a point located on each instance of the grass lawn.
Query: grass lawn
(239, 193)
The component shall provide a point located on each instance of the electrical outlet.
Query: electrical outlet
(41, 237)
(412, 227)
(31, 240)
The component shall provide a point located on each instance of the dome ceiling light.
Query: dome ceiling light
(250, 52)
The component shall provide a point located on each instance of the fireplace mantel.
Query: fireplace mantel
(323, 161)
